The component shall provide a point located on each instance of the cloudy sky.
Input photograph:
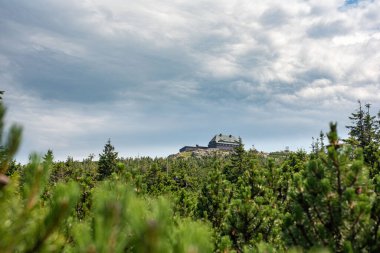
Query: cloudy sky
(157, 75)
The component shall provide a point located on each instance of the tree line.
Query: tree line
(327, 200)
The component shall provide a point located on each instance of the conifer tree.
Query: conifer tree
(330, 202)
(357, 130)
(364, 130)
(156, 180)
(214, 198)
(107, 161)
(252, 216)
(49, 156)
(364, 133)
(238, 163)
(373, 233)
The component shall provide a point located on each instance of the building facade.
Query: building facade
(219, 141)
(225, 142)
(191, 148)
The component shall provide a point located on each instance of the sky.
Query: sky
(154, 76)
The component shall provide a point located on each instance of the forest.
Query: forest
(326, 200)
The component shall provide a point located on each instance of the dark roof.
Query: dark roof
(190, 148)
(221, 138)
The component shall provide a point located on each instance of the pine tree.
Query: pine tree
(330, 202)
(156, 180)
(364, 130)
(252, 216)
(49, 156)
(214, 198)
(238, 163)
(357, 130)
(107, 161)
(364, 133)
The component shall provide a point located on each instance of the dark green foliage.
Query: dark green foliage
(214, 199)
(373, 235)
(290, 169)
(238, 163)
(13, 168)
(250, 218)
(107, 161)
(357, 131)
(185, 203)
(156, 180)
(365, 133)
(326, 201)
(49, 156)
(331, 201)
(254, 212)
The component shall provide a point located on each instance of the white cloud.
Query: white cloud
(325, 92)
(153, 66)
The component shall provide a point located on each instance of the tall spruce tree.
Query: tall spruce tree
(238, 163)
(356, 130)
(364, 128)
(107, 161)
(364, 133)
(370, 126)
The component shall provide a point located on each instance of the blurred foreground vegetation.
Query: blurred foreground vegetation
(324, 201)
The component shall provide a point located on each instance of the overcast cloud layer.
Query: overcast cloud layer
(157, 75)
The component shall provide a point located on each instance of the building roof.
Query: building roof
(221, 138)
